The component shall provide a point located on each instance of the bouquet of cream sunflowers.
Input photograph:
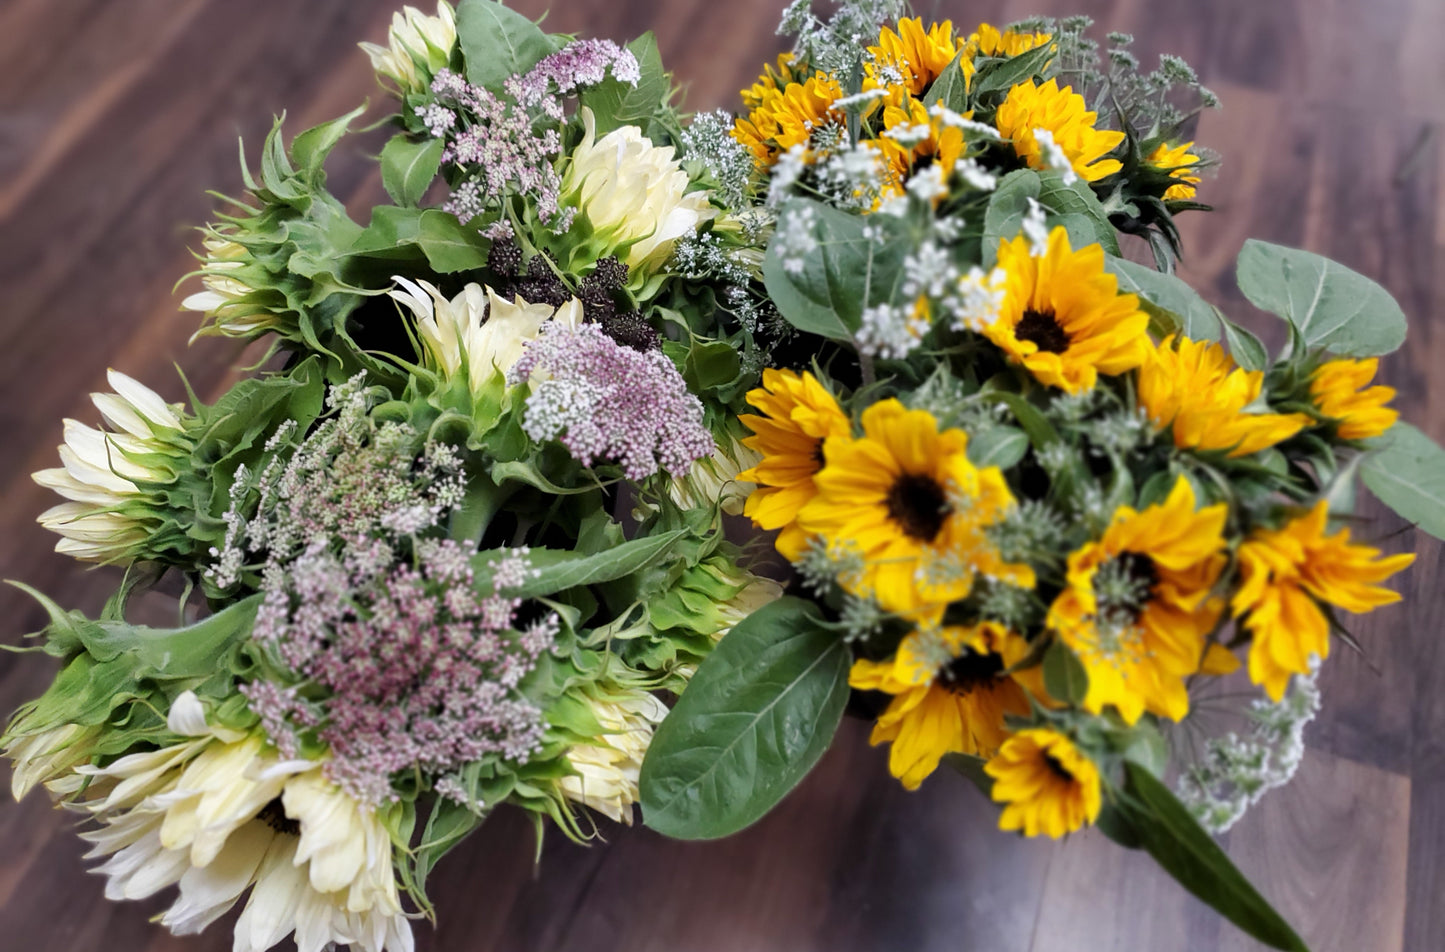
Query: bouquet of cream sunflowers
(461, 544)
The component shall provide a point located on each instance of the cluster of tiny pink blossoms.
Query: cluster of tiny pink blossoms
(577, 65)
(496, 145)
(419, 670)
(603, 400)
(350, 477)
(393, 657)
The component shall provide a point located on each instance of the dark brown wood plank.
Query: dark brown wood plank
(115, 119)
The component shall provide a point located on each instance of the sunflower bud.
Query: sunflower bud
(418, 46)
(607, 770)
(114, 480)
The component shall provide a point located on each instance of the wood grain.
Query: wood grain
(116, 117)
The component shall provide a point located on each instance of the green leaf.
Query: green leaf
(408, 168)
(1246, 349)
(1330, 305)
(392, 230)
(1076, 204)
(1000, 446)
(523, 472)
(557, 570)
(971, 768)
(951, 87)
(1040, 431)
(1074, 207)
(1407, 473)
(449, 245)
(1169, 833)
(1015, 70)
(1004, 217)
(498, 42)
(310, 149)
(711, 364)
(1171, 303)
(848, 272)
(1064, 675)
(756, 717)
(615, 104)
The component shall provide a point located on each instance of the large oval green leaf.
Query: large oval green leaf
(1173, 306)
(1330, 305)
(1073, 206)
(498, 42)
(408, 168)
(1407, 473)
(757, 716)
(857, 263)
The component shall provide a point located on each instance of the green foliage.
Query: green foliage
(1406, 472)
(1074, 207)
(1001, 446)
(754, 720)
(849, 271)
(711, 365)
(950, 89)
(1011, 71)
(498, 42)
(557, 571)
(124, 676)
(1065, 678)
(615, 104)
(409, 167)
(1172, 305)
(1329, 305)
(1147, 816)
(446, 244)
(1246, 349)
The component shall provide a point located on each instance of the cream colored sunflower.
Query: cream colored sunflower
(221, 814)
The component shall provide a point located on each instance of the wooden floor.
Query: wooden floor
(116, 117)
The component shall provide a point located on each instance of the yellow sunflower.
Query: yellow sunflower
(1180, 163)
(1340, 391)
(787, 117)
(1284, 575)
(772, 82)
(1063, 317)
(1063, 114)
(800, 415)
(943, 147)
(1136, 606)
(1194, 388)
(906, 499)
(950, 690)
(911, 58)
(1049, 785)
(990, 41)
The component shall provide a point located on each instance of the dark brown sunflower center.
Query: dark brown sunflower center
(274, 815)
(919, 505)
(1140, 571)
(1057, 768)
(818, 460)
(971, 671)
(1123, 586)
(1042, 329)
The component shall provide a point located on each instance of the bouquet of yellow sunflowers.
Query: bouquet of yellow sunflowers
(460, 545)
